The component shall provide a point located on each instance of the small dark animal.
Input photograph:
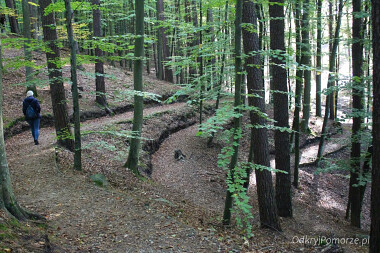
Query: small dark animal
(178, 155)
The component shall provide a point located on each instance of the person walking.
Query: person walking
(31, 109)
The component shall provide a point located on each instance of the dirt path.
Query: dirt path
(319, 204)
(83, 217)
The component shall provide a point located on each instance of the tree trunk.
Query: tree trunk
(57, 90)
(220, 81)
(255, 85)
(12, 19)
(160, 66)
(318, 74)
(99, 64)
(281, 113)
(374, 244)
(331, 77)
(74, 88)
(168, 73)
(297, 100)
(8, 200)
(27, 50)
(357, 107)
(306, 63)
(135, 143)
(237, 103)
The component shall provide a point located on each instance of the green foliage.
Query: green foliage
(99, 180)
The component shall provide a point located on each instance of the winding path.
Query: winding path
(86, 218)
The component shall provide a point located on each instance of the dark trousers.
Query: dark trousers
(34, 127)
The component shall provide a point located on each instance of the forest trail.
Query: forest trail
(201, 183)
(83, 217)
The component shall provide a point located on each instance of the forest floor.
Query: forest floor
(178, 209)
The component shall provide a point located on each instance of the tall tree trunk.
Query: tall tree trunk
(168, 72)
(57, 90)
(99, 63)
(220, 81)
(357, 107)
(318, 74)
(297, 98)
(27, 50)
(200, 61)
(331, 78)
(237, 103)
(306, 63)
(374, 244)
(281, 113)
(12, 18)
(74, 88)
(160, 65)
(135, 143)
(255, 85)
(8, 200)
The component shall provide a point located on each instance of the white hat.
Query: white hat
(29, 93)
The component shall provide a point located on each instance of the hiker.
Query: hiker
(31, 109)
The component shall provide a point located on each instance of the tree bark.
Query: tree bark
(297, 99)
(74, 88)
(255, 85)
(12, 19)
(306, 63)
(374, 244)
(281, 113)
(168, 72)
(27, 50)
(99, 64)
(8, 200)
(134, 149)
(332, 69)
(57, 90)
(357, 107)
(318, 75)
(237, 103)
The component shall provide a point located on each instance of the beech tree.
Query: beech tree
(8, 200)
(74, 88)
(57, 90)
(357, 106)
(237, 103)
(12, 18)
(27, 50)
(280, 106)
(99, 64)
(374, 246)
(135, 143)
(255, 85)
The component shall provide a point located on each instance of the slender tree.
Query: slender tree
(74, 88)
(8, 200)
(168, 72)
(331, 78)
(12, 18)
(306, 62)
(27, 50)
(280, 103)
(237, 103)
(357, 107)
(318, 74)
(297, 98)
(255, 85)
(57, 90)
(135, 143)
(99, 64)
(374, 244)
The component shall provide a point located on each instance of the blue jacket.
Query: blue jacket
(34, 102)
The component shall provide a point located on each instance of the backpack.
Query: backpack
(30, 112)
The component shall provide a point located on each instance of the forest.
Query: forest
(190, 126)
